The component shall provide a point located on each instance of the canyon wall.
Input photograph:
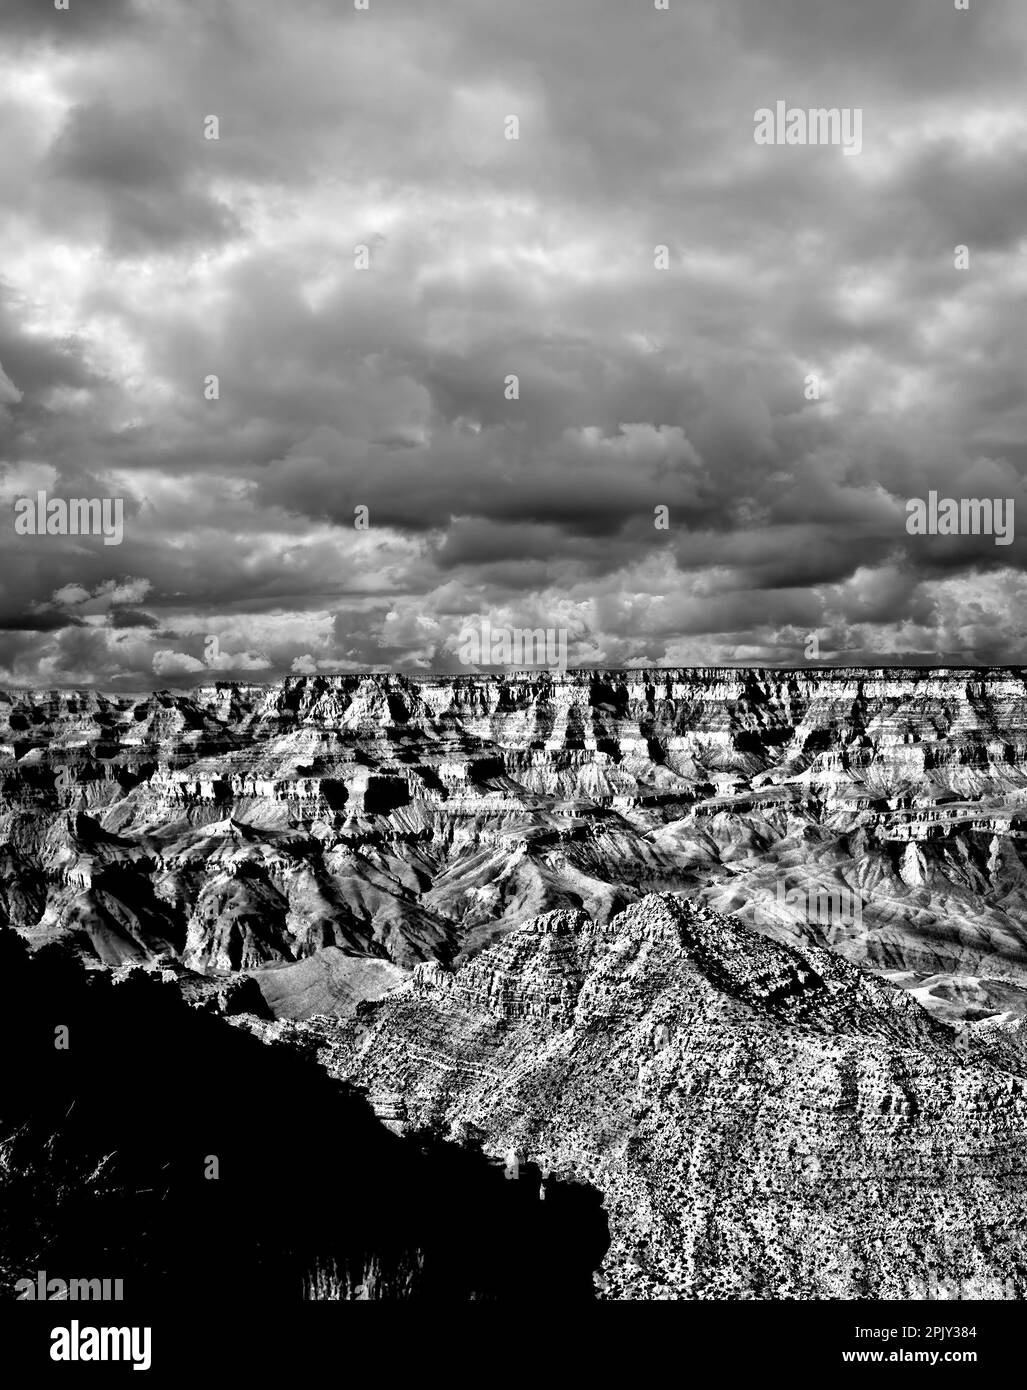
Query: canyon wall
(739, 955)
(763, 1121)
(329, 833)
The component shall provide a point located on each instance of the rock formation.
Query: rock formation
(764, 1121)
(353, 826)
(739, 955)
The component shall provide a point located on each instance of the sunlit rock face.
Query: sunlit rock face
(740, 952)
(763, 1120)
(330, 833)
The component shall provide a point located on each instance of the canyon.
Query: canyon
(763, 1121)
(326, 835)
(597, 925)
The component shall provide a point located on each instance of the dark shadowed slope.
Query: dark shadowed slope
(105, 1147)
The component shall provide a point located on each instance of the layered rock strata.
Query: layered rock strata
(763, 1121)
(391, 820)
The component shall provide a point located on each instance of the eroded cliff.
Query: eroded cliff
(763, 1121)
(331, 832)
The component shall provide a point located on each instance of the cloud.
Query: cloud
(43, 23)
(168, 663)
(238, 661)
(131, 172)
(9, 393)
(142, 259)
(109, 595)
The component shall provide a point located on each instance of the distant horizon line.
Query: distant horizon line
(513, 673)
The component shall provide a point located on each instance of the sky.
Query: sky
(809, 352)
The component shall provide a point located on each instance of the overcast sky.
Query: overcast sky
(138, 257)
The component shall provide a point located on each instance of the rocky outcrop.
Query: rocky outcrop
(763, 1120)
(405, 820)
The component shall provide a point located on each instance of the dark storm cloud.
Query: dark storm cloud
(40, 21)
(140, 258)
(37, 363)
(128, 617)
(135, 168)
(582, 484)
(37, 622)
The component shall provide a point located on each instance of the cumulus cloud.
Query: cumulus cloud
(168, 663)
(511, 412)
(237, 661)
